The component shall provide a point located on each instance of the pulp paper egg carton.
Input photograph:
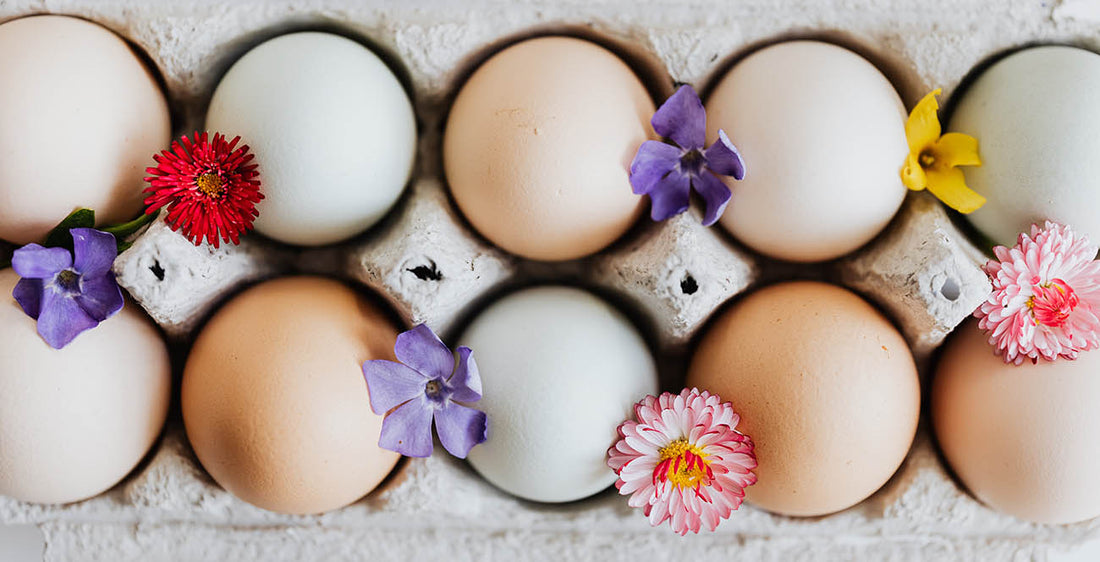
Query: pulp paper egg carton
(431, 267)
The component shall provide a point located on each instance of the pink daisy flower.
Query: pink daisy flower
(1046, 296)
(683, 461)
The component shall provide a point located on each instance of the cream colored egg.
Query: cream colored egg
(80, 119)
(560, 370)
(822, 133)
(825, 386)
(75, 421)
(1023, 439)
(274, 399)
(1035, 116)
(538, 147)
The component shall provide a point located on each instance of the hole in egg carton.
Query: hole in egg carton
(950, 289)
(157, 270)
(427, 272)
(689, 285)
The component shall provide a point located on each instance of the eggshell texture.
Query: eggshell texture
(826, 388)
(76, 421)
(538, 147)
(80, 118)
(274, 399)
(1035, 116)
(561, 369)
(333, 131)
(1024, 439)
(822, 133)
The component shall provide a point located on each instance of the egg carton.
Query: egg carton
(427, 262)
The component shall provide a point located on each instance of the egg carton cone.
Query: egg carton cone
(430, 266)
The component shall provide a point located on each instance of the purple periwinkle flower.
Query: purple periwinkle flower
(426, 385)
(68, 293)
(668, 172)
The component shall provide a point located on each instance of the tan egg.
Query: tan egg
(538, 147)
(75, 421)
(1024, 439)
(80, 119)
(274, 399)
(826, 388)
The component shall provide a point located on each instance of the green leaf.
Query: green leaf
(59, 237)
(127, 229)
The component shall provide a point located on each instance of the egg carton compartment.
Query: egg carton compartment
(431, 267)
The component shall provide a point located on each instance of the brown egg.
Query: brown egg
(538, 147)
(274, 399)
(1024, 439)
(826, 388)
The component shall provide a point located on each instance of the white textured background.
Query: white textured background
(436, 508)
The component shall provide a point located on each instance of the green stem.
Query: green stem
(127, 228)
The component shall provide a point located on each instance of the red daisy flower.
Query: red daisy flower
(210, 188)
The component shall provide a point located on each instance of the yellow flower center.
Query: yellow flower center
(211, 185)
(926, 159)
(684, 465)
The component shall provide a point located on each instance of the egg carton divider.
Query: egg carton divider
(429, 266)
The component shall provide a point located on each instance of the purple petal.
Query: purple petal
(671, 197)
(95, 251)
(28, 293)
(408, 430)
(651, 164)
(99, 296)
(35, 262)
(62, 319)
(391, 384)
(460, 428)
(420, 349)
(715, 195)
(465, 384)
(724, 159)
(682, 119)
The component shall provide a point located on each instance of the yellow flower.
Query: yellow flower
(933, 158)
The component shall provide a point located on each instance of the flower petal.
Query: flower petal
(95, 251)
(408, 429)
(465, 384)
(682, 118)
(912, 175)
(670, 197)
(923, 126)
(651, 164)
(35, 262)
(715, 195)
(100, 296)
(460, 428)
(949, 185)
(724, 159)
(28, 293)
(390, 384)
(62, 319)
(422, 350)
(956, 149)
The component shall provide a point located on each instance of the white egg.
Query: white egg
(561, 369)
(822, 133)
(333, 131)
(1036, 116)
(75, 421)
